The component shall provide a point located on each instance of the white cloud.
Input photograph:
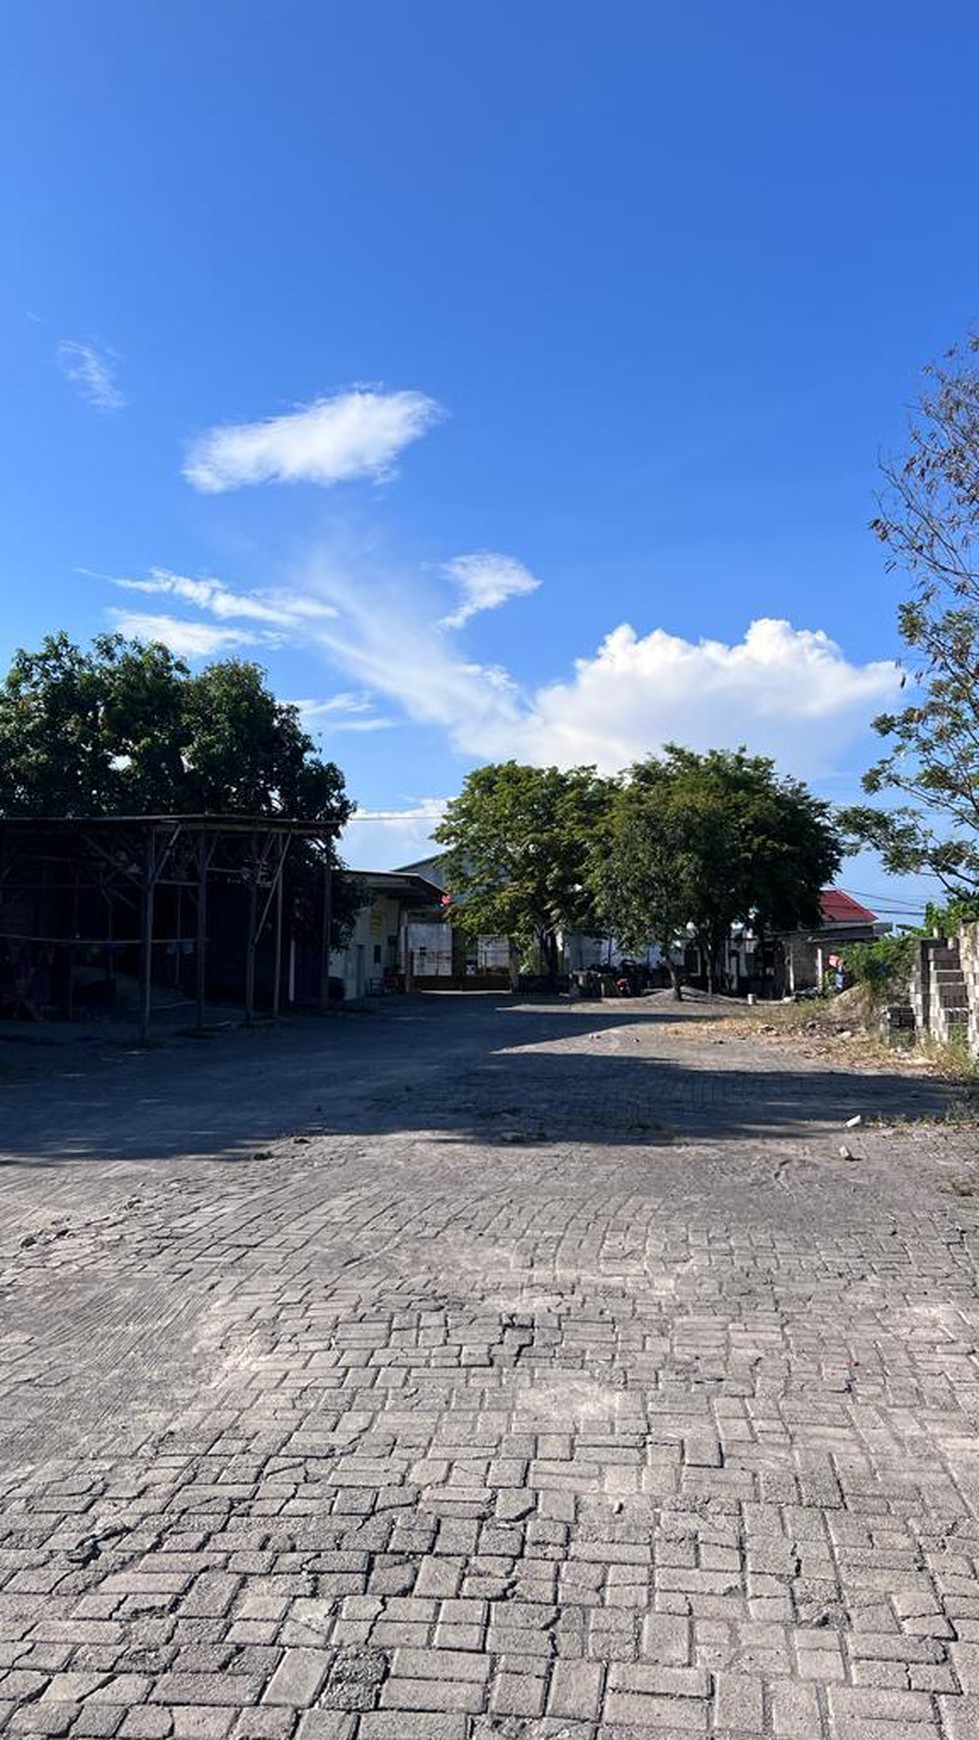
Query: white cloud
(354, 434)
(346, 702)
(782, 691)
(371, 627)
(485, 581)
(92, 371)
(284, 609)
(375, 629)
(343, 712)
(786, 692)
(428, 810)
(376, 724)
(188, 640)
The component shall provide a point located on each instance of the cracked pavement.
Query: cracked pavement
(486, 1369)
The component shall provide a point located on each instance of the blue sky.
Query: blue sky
(484, 371)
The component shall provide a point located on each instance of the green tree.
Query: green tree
(247, 751)
(644, 875)
(66, 744)
(518, 843)
(125, 729)
(711, 840)
(929, 524)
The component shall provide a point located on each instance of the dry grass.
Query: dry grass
(835, 1031)
(841, 1031)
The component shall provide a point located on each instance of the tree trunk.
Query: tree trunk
(514, 965)
(676, 979)
(549, 953)
(716, 943)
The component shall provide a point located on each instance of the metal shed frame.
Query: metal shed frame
(127, 859)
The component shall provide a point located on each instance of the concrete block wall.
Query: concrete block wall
(969, 957)
(945, 988)
(920, 990)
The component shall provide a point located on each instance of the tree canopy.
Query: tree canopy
(711, 840)
(681, 839)
(642, 873)
(929, 525)
(125, 729)
(517, 841)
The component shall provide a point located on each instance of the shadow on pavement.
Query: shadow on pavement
(465, 1068)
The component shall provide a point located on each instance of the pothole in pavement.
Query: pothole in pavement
(356, 1675)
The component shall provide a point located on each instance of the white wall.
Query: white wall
(358, 964)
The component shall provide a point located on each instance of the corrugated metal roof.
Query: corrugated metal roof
(838, 907)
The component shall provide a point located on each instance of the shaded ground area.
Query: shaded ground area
(486, 1370)
(473, 1066)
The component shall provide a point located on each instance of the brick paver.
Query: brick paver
(486, 1372)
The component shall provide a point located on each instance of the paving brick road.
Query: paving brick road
(485, 1372)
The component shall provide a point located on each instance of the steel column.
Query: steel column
(147, 891)
(327, 927)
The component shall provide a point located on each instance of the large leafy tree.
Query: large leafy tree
(126, 729)
(710, 840)
(644, 874)
(517, 845)
(929, 525)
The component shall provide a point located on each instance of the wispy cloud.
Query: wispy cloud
(284, 609)
(381, 638)
(92, 370)
(347, 701)
(784, 691)
(189, 640)
(353, 434)
(344, 712)
(429, 809)
(378, 723)
(485, 581)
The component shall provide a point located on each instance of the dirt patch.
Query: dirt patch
(835, 1032)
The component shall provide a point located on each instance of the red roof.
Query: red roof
(840, 908)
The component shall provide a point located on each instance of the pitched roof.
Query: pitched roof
(412, 889)
(838, 907)
(430, 868)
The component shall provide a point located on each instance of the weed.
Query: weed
(953, 1060)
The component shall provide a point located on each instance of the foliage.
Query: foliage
(884, 966)
(948, 918)
(682, 839)
(517, 842)
(644, 875)
(711, 840)
(127, 729)
(929, 524)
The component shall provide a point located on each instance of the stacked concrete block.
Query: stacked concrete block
(945, 1007)
(969, 956)
(897, 1024)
